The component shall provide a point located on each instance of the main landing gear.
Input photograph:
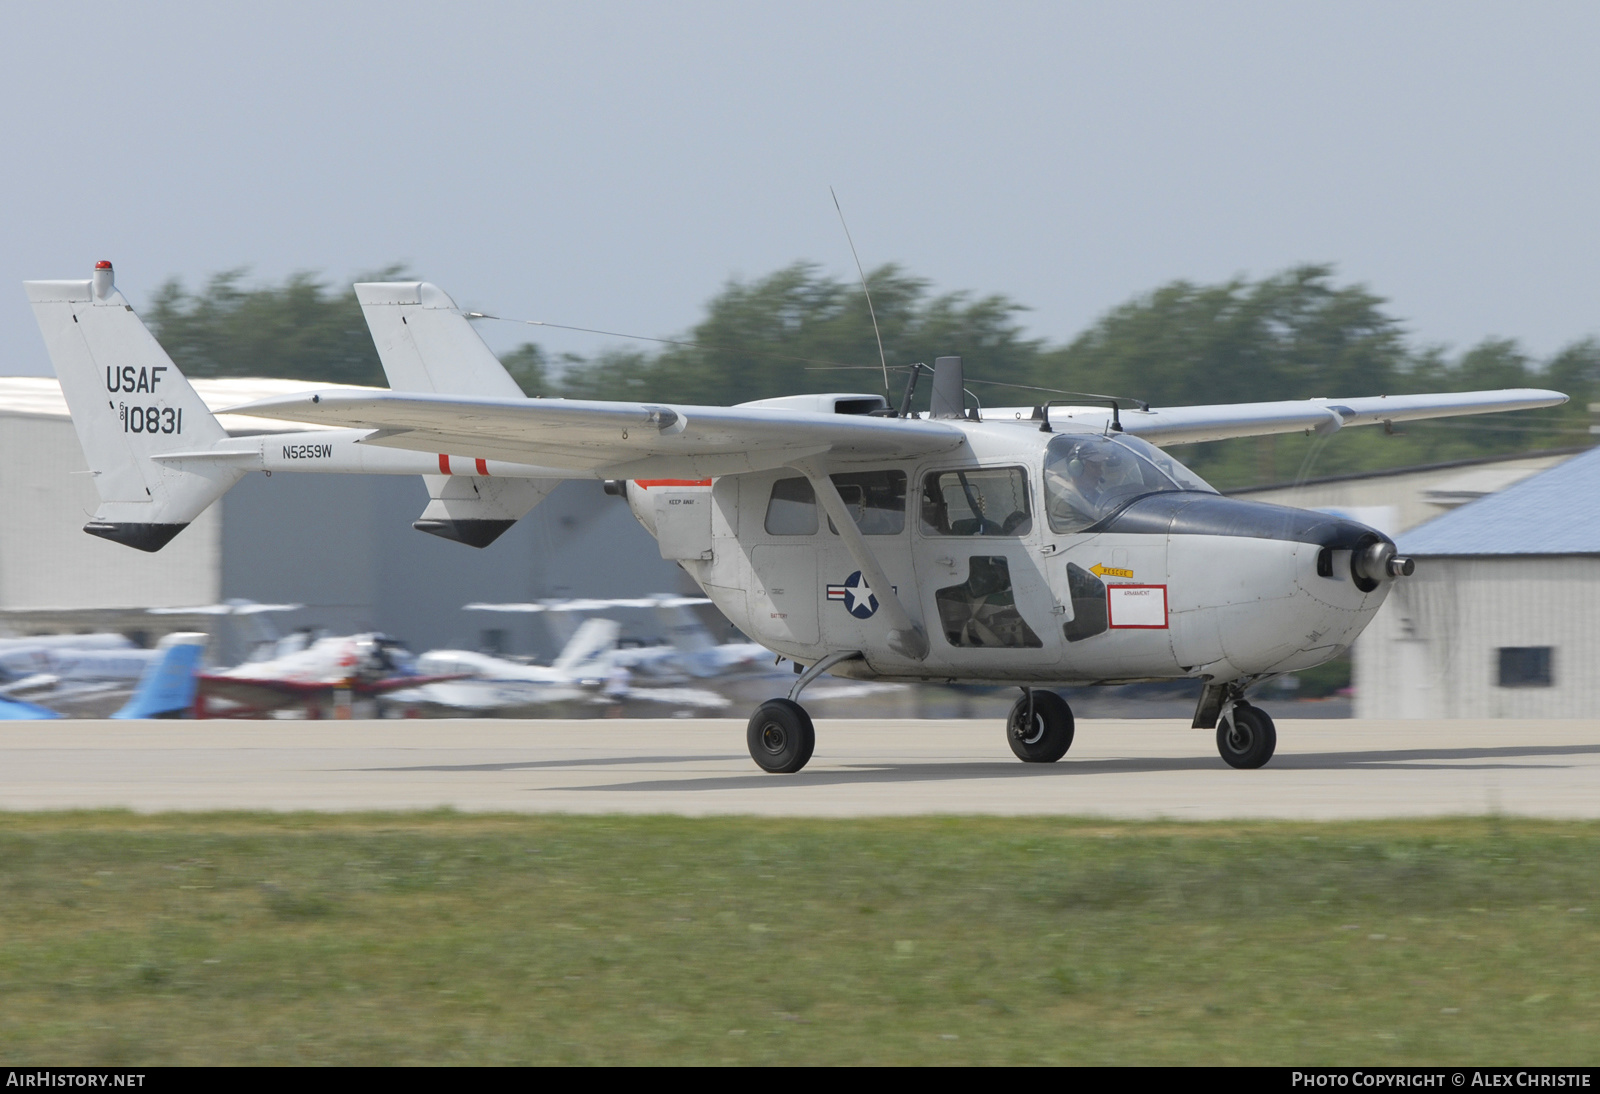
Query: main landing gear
(780, 735)
(1040, 728)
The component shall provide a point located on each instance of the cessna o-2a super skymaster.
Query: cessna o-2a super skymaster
(1033, 546)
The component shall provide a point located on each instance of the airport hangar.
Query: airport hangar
(1502, 617)
(342, 545)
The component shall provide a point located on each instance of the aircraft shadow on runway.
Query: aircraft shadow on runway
(1418, 759)
(530, 765)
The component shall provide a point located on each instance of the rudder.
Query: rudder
(426, 343)
(130, 405)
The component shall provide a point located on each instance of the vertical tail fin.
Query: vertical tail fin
(166, 689)
(426, 343)
(589, 652)
(683, 627)
(130, 405)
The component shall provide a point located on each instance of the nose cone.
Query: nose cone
(1190, 513)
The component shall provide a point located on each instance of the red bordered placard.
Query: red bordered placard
(1142, 612)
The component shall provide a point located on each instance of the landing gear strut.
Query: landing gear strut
(1040, 728)
(780, 735)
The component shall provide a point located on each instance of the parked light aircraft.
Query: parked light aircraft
(586, 671)
(331, 671)
(1029, 546)
(96, 675)
(690, 652)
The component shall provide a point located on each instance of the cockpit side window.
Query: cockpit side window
(1088, 477)
(876, 500)
(992, 501)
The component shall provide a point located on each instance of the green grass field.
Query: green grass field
(452, 938)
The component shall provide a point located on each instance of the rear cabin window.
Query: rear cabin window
(876, 499)
(977, 502)
(792, 509)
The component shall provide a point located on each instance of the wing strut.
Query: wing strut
(906, 638)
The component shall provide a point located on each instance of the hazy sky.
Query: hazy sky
(612, 165)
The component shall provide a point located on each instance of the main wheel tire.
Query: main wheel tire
(1050, 735)
(781, 736)
(1247, 739)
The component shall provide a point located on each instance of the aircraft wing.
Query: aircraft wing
(583, 439)
(266, 693)
(1187, 424)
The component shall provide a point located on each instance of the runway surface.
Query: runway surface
(1117, 768)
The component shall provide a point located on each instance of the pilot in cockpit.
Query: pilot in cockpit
(1086, 481)
(1081, 480)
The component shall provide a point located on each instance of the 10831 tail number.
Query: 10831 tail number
(151, 419)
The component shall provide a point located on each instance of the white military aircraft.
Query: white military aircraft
(1032, 546)
(98, 675)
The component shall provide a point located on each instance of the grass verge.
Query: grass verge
(453, 938)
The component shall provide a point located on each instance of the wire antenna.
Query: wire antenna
(882, 360)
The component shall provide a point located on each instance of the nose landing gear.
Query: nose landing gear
(1246, 737)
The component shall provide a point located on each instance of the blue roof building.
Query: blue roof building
(1502, 617)
(1556, 512)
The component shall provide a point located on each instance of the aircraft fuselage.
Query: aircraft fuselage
(1016, 578)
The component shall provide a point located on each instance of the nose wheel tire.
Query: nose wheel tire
(781, 736)
(1047, 738)
(1246, 738)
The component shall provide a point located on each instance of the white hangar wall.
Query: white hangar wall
(1433, 652)
(48, 561)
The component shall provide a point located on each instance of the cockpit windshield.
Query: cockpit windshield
(1087, 477)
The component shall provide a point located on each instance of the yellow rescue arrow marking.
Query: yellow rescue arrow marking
(1109, 571)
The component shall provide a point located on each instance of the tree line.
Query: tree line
(1294, 335)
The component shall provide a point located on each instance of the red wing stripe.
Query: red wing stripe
(483, 468)
(444, 464)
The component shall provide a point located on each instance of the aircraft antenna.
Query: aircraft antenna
(882, 360)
